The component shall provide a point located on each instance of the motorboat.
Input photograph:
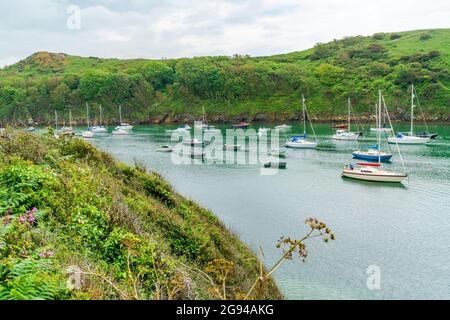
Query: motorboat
(165, 148)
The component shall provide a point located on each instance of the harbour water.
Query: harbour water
(402, 230)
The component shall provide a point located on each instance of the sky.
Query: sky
(186, 28)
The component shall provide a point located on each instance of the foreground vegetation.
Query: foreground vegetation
(231, 88)
(76, 224)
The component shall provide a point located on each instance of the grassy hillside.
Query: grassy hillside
(67, 209)
(259, 88)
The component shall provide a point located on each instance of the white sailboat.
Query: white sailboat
(68, 130)
(410, 138)
(123, 129)
(301, 142)
(378, 127)
(123, 125)
(347, 135)
(374, 172)
(207, 129)
(87, 133)
(100, 128)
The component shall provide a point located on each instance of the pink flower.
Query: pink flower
(31, 218)
(34, 210)
(6, 220)
(22, 219)
(46, 254)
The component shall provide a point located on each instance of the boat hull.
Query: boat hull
(368, 157)
(302, 145)
(409, 140)
(374, 177)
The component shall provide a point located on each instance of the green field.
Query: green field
(229, 88)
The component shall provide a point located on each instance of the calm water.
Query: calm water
(403, 230)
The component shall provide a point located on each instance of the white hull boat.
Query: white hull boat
(346, 136)
(411, 140)
(121, 132)
(99, 129)
(380, 129)
(192, 143)
(166, 149)
(283, 127)
(211, 130)
(301, 144)
(87, 134)
(232, 147)
(373, 173)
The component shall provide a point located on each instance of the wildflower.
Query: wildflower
(22, 219)
(31, 218)
(7, 219)
(46, 254)
(34, 210)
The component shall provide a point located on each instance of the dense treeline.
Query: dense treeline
(235, 86)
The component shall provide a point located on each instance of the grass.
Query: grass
(66, 206)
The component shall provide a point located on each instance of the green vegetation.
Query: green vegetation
(262, 88)
(68, 211)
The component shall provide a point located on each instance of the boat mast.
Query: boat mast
(412, 109)
(379, 128)
(304, 114)
(70, 118)
(87, 114)
(101, 118)
(120, 113)
(349, 114)
(56, 120)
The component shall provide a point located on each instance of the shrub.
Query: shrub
(425, 37)
(395, 36)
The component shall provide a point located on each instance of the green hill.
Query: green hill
(258, 88)
(68, 211)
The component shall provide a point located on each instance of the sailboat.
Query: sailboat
(301, 142)
(87, 133)
(345, 134)
(374, 172)
(100, 128)
(124, 128)
(374, 153)
(207, 129)
(378, 126)
(68, 131)
(410, 138)
(123, 125)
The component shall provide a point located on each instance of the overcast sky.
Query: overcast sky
(185, 28)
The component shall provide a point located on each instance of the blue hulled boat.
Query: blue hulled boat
(372, 153)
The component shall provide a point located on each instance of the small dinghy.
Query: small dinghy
(426, 134)
(165, 148)
(232, 147)
(340, 126)
(283, 127)
(192, 142)
(278, 153)
(276, 165)
(120, 132)
(242, 125)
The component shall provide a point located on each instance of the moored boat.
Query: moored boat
(283, 127)
(372, 154)
(276, 165)
(242, 125)
(346, 134)
(302, 142)
(372, 172)
(232, 147)
(165, 148)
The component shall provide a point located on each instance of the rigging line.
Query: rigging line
(310, 123)
(396, 143)
(420, 108)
